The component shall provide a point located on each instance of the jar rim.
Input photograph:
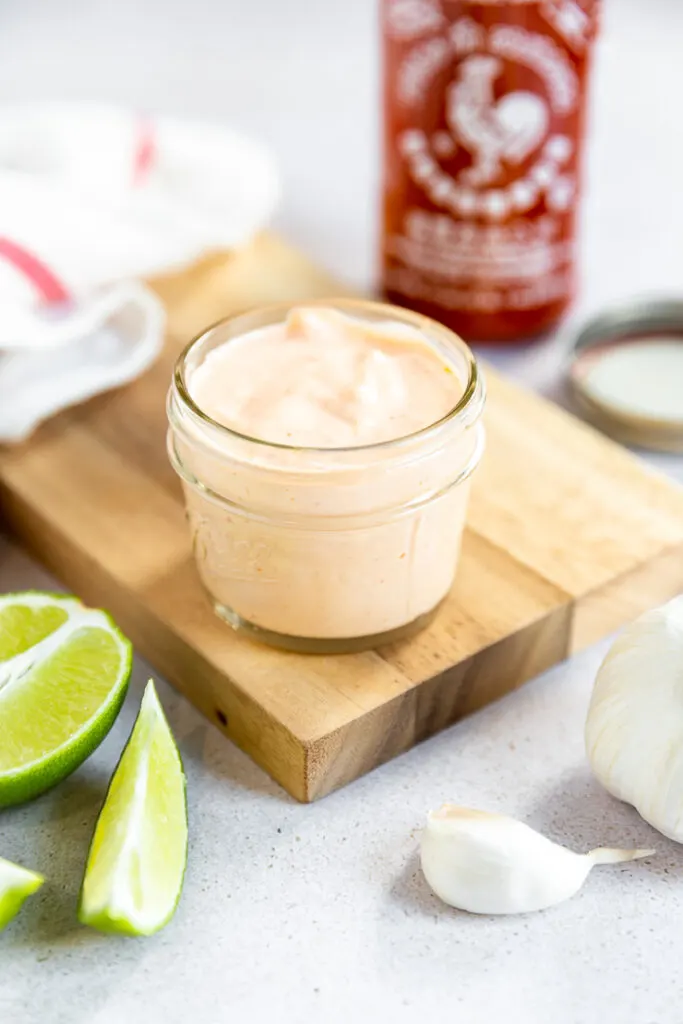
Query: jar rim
(474, 385)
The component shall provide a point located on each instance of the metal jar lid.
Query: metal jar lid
(626, 372)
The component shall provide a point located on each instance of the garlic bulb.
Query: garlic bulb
(634, 729)
(491, 864)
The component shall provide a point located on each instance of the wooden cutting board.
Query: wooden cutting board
(568, 537)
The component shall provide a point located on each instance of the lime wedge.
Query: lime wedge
(64, 671)
(136, 863)
(16, 885)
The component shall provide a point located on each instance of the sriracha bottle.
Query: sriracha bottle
(484, 111)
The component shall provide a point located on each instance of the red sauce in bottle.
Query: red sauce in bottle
(484, 106)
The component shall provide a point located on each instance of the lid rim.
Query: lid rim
(618, 323)
(629, 319)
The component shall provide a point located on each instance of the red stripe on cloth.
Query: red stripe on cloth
(145, 151)
(33, 268)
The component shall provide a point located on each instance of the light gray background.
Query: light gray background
(300, 914)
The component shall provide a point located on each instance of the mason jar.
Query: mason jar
(326, 549)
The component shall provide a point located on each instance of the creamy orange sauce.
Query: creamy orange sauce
(337, 535)
(322, 379)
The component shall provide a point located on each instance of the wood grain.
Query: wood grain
(568, 536)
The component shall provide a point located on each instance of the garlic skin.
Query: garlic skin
(491, 864)
(634, 728)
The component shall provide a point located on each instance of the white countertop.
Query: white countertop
(293, 913)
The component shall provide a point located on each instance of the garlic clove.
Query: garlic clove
(491, 864)
(634, 727)
(610, 855)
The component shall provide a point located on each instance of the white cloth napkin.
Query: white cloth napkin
(90, 199)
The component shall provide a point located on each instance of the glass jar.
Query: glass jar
(326, 549)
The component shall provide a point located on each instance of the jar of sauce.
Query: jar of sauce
(325, 453)
(484, 110)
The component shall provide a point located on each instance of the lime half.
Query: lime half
(16, 885)
(64, 671)
(134, 875)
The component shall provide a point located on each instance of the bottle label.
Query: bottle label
(484, 125)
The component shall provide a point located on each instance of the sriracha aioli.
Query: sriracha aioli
(326, 453)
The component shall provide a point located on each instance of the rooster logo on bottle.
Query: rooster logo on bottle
(516, 149)
(509, 129)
